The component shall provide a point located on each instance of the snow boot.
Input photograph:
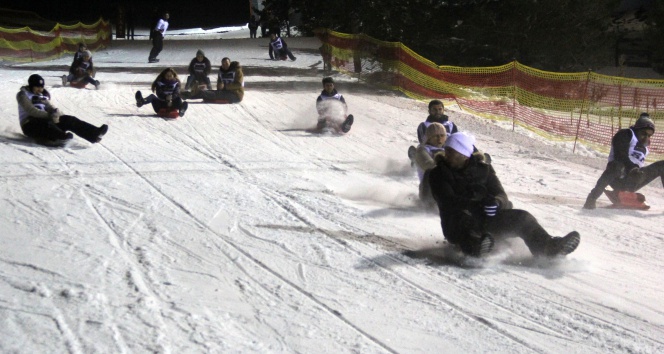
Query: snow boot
(64, 80)
(345, 126)
(101, 132)
(183, 108)
(139, 99)
(562, 246)
(486, 245)
(96, 83)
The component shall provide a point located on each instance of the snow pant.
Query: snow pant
(425, 190)
(158, 103)
(202, 79)
(252, 32)
(40, 128)
(612, 176)
(283, 52)
(85, 78)
(465, 230)
(212, 95)
(157, 45)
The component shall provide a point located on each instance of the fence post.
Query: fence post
(583, 103)
(514, 91)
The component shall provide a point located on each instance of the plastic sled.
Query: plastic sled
(78, 84)
(168, 112)
(220, 101)
(626, 200)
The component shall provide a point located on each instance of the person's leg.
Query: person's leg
(648, 174)
(612, 172)
(43, 129)
(519, 223)
(290, 55)
(79, 127)
(190, 79)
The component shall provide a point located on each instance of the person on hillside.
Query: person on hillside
(626, 170)
(79, 54)
(425, 159)
(199, 69)
(332, 109)
(158, 33)
(278, 49)
(230, 84)
(475, 210)
(45, 123)
(167, 89)
(436, 114)
(253, 26)
(81, 70)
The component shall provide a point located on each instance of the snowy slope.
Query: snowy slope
(232, 229)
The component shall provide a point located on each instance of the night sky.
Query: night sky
(184, 14)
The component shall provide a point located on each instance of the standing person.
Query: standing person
(279, 49)
(130, 22)
(45, 123)
(474, 208)
(625, 170)
(230, 84)
(158, 38)
(332, 109)
(253, 26)
(81, 70)
(426, 156)
(263, 22)
(199, 69)
(167, 89)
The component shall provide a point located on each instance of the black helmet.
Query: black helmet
(644, 122)
(35, 80)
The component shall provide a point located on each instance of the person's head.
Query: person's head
(328, 84)
(436, 134)
(436, 108)
(644, 128)
(458, 149)
(273, 36)
(166, 16)
(200, 55)
(86, 55)
(169, 74)
(36, 83)
(225, 63)
(82, 47)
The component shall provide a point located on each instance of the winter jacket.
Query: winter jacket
(328, 96)
(233, 79)
(200, 69)
(81, 68)
(33, 106)
(627, 151)
(425, 158)
(277, 47)
(165, 88)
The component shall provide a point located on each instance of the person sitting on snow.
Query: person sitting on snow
(167, 89)
(81, 69)
(436, 114)
(278, 49)
(332, 109)
(79, 54)
(425, 159)
(474, 208)
(45, 123)
(230, 84)
(625, 170)
(199, 69)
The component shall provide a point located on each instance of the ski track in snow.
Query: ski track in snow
(232, 229)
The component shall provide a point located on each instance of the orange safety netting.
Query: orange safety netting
(25, 44)
(585, 107)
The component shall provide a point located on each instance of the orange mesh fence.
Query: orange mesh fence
(585, 107)
(26, 45)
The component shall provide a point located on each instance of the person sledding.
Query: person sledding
(45, 123)
(425, 157)
(81, 71)
(626, 172)
(474, 208)
(167, 99)
(332, 109)
(278, 49)
(199, 69)
(436, 115)
(230, 85)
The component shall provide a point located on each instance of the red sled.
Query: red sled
(78, 84)
(168, 112)
(626, 200)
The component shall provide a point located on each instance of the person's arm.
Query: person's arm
(421, 133)
(620, 143)
(270, 51)
(495, 189)
(237, 82)
(423, 159)
(208, 67)
(440, 180)
(33, 111)
(191, 67)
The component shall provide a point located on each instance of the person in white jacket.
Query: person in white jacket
(158, 38)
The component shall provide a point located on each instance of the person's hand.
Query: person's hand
(636, 175)
(55, 116)
(490, 206)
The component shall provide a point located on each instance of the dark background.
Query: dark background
(183, 13)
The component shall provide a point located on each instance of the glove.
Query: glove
(636, 176)
(55, 116)
(490, 206)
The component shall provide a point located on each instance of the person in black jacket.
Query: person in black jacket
(474, 208)
(199, 69)
(167, 89)
(81, 70)
(625, 170)
(332, 109)
(279, 49)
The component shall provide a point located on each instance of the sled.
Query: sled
(219, 101)
(78, 84)
(168, 112)
(626, 200)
